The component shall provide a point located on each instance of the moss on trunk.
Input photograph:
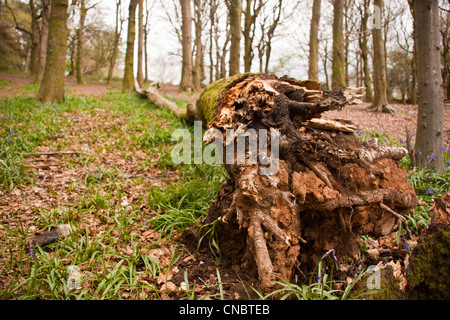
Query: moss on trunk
(207, 103)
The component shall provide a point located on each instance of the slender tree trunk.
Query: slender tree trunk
(235, 25)
(128, 77)
(271, 32)
(186, 73)
(380, 101)
(117, 32)
(43, 40)
(430, 117)
(35, 41)
(146, 32)
(197, 70)
(52, 85)
(140, 74)
(313, 70)
(338, 76)
(365, 50)
(80, 44)
(325, 67)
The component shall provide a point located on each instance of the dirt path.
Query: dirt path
(395, 125)
(18, 81)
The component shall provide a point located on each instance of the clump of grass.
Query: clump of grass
(4, 83)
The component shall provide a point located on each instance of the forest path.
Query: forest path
(394, 125)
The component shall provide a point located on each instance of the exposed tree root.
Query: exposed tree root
(330, 188)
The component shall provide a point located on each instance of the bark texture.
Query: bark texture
(235, 25)
(52, 85)
(128, 77)
(338, 76)
(186, 30)
(328, 188)
(313, 71)
(380, 100)
(430, 121)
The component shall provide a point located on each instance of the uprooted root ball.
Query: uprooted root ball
(328, 190)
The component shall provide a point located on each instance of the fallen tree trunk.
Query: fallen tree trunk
(318, 188)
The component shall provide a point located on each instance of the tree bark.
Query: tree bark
(45, 13)
(313, 70)
(235, 25)
(52, 85)
(117, 33)
(128, 77)
(80, 44)
(365, 50)
(380, 100)
(430, 117)
(338, 76)
(186, 72)
(35, 41)
(140, 74)
(197, 70)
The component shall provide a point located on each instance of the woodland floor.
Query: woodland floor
(117, 190)
(395, 125)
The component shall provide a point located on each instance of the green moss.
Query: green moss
(430, 266)
(208, 101)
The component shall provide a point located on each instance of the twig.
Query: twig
(52, 153)
(399, 216)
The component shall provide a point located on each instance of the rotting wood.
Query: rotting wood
(326, 178)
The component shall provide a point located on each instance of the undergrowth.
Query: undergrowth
(126, 241)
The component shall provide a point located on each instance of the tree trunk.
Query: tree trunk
(235, 25)
(338, 76)
(128, 77)
(313, 70)
(321, 188)
(197, 70)
(52, 85)
(35, 41)
(186, 72)
(271, 32)
(117, 33)
(430, 117)
(365, 50)
(140, 74)
(80, 44)
(45, 13)
(380, 100)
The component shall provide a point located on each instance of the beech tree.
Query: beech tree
(117, 34)
(338, 76)
(140, 65)
(430, 117)
(52, 85)
(313, 69)
(186, 30)
(128, 77)
(235, 25)
(380, 101)
(80, 44)
(364, 48)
